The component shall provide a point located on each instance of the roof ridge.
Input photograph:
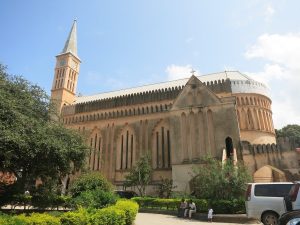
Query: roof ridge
(163, 82)
(122, 89)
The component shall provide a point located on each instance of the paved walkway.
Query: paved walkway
(159, 219)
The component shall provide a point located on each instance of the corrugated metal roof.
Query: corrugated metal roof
(232, 75)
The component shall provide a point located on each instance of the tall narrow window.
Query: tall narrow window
(163, 146)
(161, 155)
(94, 155)
(169, 149)
(99, 154)
(122, 152)
(211, 132)
(229, 148)
(91, 146)
(157, 150)
(131, 150)
(126, 149)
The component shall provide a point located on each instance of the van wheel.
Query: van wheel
(270, 218)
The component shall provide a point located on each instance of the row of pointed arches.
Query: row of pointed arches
(255, 101)
(255, 119)
(127, 147)
(197, 134)
(118, 113)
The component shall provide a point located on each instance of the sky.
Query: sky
(130, 43)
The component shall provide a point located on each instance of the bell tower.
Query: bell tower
(66, 72)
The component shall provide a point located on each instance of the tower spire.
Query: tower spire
(71, 43)
(66, 74)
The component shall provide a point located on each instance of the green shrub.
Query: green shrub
(38, 219)
(201, 205)
(219, 206)
(109, 216)
(94, 199)
(228, 206)
(144, 202)
(10, 220)
(89, 182)
(79, 217)
(165, 203)
(55, 213)
(130, 208)
(45, 200)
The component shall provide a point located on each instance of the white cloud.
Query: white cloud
(271, 71)
(283, 49)
(269, 12)
(176, 72)
(281, 54)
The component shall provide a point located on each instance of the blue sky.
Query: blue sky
(131, 43)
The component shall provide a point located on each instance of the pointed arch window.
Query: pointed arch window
(95, 156)
(161, 153)
(229, 147)
(126, 149)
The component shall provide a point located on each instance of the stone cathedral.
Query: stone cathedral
(176, 122)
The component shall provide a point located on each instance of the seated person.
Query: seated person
(181, 208)
(191, 209)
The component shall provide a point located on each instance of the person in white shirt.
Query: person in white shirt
(210, 214)
(191, 209)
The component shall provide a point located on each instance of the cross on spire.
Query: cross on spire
(193, 72)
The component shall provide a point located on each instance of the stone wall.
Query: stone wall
(281, 159)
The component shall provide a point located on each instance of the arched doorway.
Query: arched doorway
(269, 174)
(229, 148)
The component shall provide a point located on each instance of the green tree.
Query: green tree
(92, 190)
(89, 182)
(165, 187)
(31, 145)
(140, 175)
(291, 131)
(216, 181)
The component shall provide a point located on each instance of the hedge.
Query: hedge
(40, 201)
(122, 213)
(228, 206)
(130, 208)
(219, 206)
(79, 217)
(33, 219)
(109, 216)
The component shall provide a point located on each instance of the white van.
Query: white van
(265, 201)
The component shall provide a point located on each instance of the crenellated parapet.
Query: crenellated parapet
(286, 143)
(248, 148)
(217, 86)
(126, 100)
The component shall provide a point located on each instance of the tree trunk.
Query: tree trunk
(64, 181)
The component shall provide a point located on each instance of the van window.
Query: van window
(272, 190)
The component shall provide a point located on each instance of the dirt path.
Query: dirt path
(159, 219)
